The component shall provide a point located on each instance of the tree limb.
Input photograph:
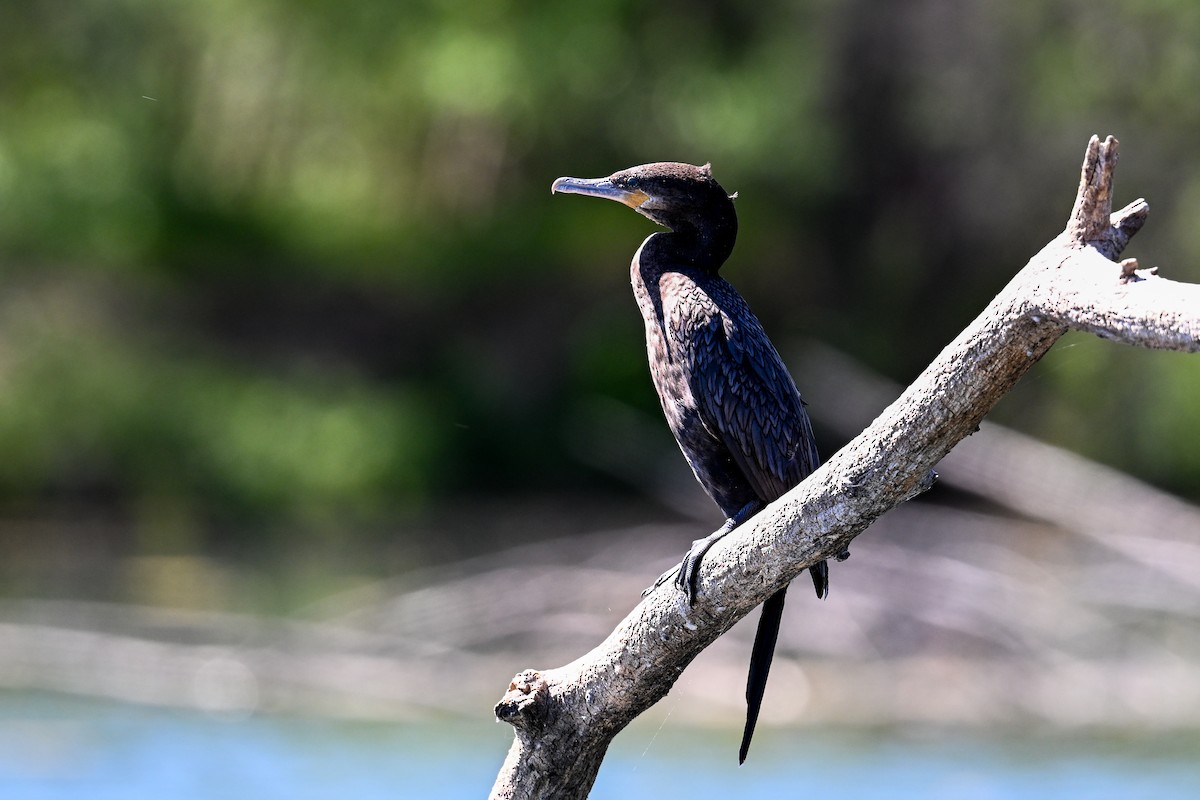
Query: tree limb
(564, 718)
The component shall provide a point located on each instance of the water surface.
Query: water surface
(54, 747)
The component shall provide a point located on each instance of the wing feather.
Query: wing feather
(745, 396)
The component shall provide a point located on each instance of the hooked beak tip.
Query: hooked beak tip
(599, 187)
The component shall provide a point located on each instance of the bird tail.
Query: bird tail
(820, 578)
(760, 664)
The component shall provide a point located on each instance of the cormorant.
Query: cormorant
(727, 396)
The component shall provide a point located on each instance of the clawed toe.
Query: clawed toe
(673, 572)
(687, 574)
(687, 579)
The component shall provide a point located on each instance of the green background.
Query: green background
(288, 275)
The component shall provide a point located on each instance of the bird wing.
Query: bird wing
(746, 398)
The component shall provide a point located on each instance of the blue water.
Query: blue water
(61, 748)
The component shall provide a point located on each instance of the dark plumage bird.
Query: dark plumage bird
(727, 396)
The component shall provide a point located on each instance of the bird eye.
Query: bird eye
(632, 183)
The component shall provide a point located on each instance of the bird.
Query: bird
(728, 398)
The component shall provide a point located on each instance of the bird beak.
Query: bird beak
(600, 187)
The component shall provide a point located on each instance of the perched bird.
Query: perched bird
(727, 396)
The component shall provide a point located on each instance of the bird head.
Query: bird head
(682, 197)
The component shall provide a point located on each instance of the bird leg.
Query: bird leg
(687, 574)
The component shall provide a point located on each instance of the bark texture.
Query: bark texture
(564, 718)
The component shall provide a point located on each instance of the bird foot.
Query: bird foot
(686, 576)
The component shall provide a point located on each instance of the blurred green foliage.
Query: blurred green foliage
(297, 261)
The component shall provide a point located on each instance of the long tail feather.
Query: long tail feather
(760, 664)
(820, 578)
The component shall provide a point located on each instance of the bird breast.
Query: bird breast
(661, 295)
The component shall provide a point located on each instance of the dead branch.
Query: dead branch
(564, 718)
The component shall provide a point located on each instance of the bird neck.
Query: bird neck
(704, 247)
(703, 229)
